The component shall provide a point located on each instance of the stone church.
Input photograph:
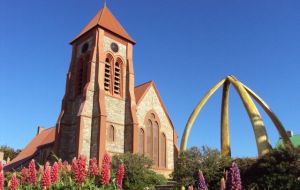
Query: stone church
(102, 109)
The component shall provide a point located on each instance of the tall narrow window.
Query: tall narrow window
(111, 134)
(107, 74)
(153, 138)
(149, 139)
(155, 143)
(163, 146)
(141, 141)
(81, 73)
(118, 77)
(80, 80)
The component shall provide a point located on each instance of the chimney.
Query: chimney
(40, 129)
(290, 133)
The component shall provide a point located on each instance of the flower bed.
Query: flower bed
(62, 175)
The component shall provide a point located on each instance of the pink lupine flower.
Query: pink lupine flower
(46, 179)
(120, 175)
(93, 170)
(24, 175)
(105, 171)
(1, 180)
(60, 165)
(1, 166)
(14, 182)
(66, 166)
(1, 177)
(79, 169)
(55, 173)
(32, 172)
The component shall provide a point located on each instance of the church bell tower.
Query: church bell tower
(99, 97)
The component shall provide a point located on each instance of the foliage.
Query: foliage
(208, 160)
(277, 170)
(9, 152)
(138, 174)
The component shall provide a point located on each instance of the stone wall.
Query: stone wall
(117, 146)
(151, 102)
(76, 106)
(117, 107)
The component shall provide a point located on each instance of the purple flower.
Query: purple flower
(200, 183)
(233, 181)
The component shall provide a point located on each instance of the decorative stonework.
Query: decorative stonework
(122, 48)
(89, 41)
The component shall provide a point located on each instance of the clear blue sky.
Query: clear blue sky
(184, 46)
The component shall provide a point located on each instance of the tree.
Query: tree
(209, 161)
(9, 152)
(278, 169)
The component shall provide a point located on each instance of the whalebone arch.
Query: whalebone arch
(247, 96)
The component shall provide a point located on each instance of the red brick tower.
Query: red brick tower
(99, 95)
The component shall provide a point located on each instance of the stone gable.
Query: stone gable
(151, 102)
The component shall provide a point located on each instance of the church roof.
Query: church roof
(140, 90)
(44, 138)
(106, 20)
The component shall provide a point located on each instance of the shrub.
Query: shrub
(9, 152)
(209, 161)
(277, 170)
(138, 173)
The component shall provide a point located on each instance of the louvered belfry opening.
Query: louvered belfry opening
(107, 73)
(81, 74)
(117, 78)
(80, 81)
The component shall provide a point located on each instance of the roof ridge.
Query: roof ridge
(100, 15)
(151, 81)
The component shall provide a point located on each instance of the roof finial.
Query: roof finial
(104, 3)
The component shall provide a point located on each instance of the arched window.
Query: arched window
(82, 73)
(152, 139)
(155, 143)
(118, 77)
(141, 141)
(163, 151)
(149, 138)
(107, 73)
(80, 80)
(111, 134)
